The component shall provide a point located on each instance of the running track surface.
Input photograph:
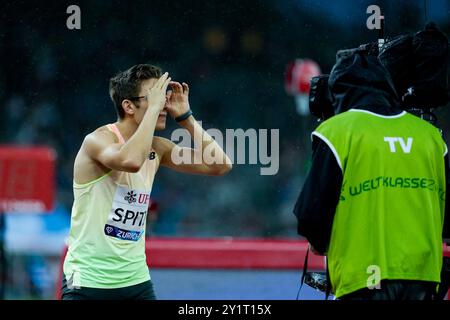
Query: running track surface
(206, 284)
(229, 269)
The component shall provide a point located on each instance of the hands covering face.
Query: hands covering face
(177, 99)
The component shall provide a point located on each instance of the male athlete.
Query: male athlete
(113, 176)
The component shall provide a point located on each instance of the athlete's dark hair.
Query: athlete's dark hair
(126, 84)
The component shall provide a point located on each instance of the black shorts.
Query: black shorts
(141, 291)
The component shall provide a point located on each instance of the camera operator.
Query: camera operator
(374, 198)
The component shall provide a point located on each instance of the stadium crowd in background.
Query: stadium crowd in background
(54, 84)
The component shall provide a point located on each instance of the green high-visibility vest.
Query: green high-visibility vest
(389, 219)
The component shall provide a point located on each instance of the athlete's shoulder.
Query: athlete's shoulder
(101, 134)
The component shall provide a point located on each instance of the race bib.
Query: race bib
(126, 221)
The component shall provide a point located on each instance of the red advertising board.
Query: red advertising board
(26, 178)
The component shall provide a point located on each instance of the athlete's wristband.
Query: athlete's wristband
(184, 116)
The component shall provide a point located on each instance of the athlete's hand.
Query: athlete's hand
(178, 99)
(156, 95)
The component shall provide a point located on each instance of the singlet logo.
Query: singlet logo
(126, 220)
(406, 147)
(130, 197)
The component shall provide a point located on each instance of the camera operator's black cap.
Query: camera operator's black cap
(358, 79)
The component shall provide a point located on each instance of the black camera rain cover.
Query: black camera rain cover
(359, 79)
(419, 61)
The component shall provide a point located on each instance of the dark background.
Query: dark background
(54, 88)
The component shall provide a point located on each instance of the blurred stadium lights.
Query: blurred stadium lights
(252, 42)
(215, 40)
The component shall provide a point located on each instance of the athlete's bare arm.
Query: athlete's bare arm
(178, 105)
(102, 149)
